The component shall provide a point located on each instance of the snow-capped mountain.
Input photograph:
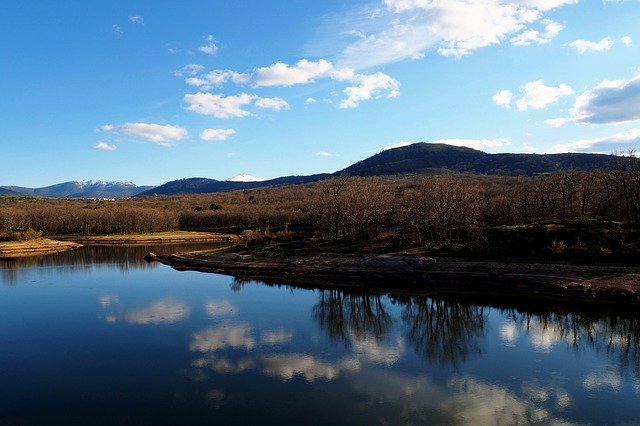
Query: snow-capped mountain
(243, 177)
(83, 189)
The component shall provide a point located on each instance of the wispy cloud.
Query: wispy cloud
(408, 28)
(218, 105)
(368, 86)
(210, 47)
(216, 134)
(117, 30)
(479, 144)
(275, 104)
(584, 46)
(103, 146)
(608, 144)
(136, 19)
(157, 133)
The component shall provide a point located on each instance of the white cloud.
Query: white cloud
(369, 85)
(189, 69)
(544, 5)
(287, 367)
(103, 146)
(584, 46)
(503, 98)
(626, 40)
(551, 31)
(225, 336)
(217, 78)
(281, 74)
(611, 101)
(324, 154)
(275, 104)
(220, 308)
(157, 133)
(556, 122)
(537, 96)
(218, 106)
(310, 101)
(210, 47)
(509, 333)
(599, 379)
(117, 30)
(223, 365)
(162, 312)
(107, 300)
(478, 144)
(216, 135)
(613, 143)
(455, 28)
(370, 349)
(275, 337)
(136, 19)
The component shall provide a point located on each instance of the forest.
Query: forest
(569, 213)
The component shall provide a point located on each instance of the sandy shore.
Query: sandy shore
(34, 247)
(403, 273)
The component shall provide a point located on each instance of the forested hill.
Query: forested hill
(204, 185)
(426, 157)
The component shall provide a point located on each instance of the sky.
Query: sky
(152, 91)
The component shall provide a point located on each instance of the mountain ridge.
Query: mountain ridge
(417, 158)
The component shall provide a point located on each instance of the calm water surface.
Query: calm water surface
(97, 336)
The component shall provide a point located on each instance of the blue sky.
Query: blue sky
(152, 91)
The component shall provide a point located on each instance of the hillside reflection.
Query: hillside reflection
(124, 257)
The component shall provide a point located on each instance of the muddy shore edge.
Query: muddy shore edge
(403, 274)
(12, 250)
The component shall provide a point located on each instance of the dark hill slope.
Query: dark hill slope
(423, 157)
(204, 185)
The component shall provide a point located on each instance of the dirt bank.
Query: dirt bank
(177, 237)
(34, 248)
(403, 273)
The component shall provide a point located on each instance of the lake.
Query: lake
(98, 336)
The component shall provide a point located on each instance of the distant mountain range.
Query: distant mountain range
(80, 189)
(418, 158)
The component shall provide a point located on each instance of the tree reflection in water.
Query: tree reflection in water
(449, 330)
(443, 330)
(342, 314)
(615, 333)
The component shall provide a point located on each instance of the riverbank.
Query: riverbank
(400, 273)
(173, 237)
(36, 247)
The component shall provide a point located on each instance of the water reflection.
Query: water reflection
(167, 311)
(444, 330)
(343, 314)
(125, 258)
(450, 330)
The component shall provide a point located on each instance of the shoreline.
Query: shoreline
(401, 273)
(177, 237)
(16, 249)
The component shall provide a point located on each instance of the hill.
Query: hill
(81, 189)
(204, 185)
(427, 157)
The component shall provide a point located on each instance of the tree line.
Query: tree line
(424, 210)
